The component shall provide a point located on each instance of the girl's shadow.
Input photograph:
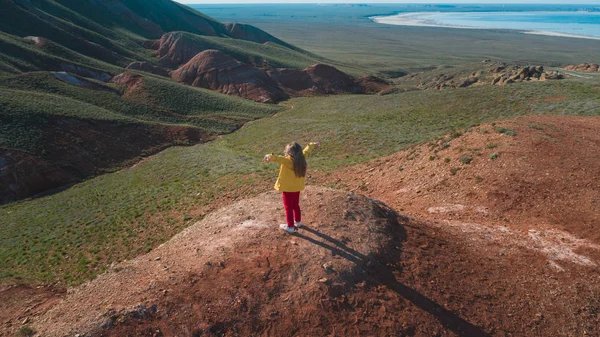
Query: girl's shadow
(378, 272)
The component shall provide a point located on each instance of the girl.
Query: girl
(291, 181)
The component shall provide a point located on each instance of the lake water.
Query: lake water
(584, 24)
(558, 19)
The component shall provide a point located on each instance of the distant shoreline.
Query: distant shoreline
(547, 33)
(418, 19)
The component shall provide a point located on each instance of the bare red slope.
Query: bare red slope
(212, 69)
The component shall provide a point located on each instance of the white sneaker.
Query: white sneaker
(285, 227)
(298, 224)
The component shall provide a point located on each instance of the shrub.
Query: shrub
(494, 156)
(466, 159)
(505, 131)
(454, 170)
(26, 331)
(455, 134)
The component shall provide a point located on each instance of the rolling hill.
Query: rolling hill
(85, 87)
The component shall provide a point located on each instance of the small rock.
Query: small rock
(323, 280)
(328, 266)
(157, 259)
(294, 243)
(26, 320)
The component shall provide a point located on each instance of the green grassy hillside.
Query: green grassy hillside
(53, 133)
(76, 130)
(29, 101)
(18, 55)
(113, 32)
(73, 235)
(63, 26)
(165, 16)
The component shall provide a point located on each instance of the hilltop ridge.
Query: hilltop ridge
(217, 258)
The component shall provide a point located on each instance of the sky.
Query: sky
(387, 1)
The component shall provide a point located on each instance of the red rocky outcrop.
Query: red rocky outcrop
(130, 82)
(316, 79)
(175, 48)
(584, 67)
(212, 69)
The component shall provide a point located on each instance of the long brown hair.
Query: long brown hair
(294, 150)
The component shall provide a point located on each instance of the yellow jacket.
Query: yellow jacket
(287, 180)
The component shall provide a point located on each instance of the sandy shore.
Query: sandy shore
(413, 19)
(420, 19)
(541, 32)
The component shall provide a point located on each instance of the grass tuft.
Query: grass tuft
(505, 131)
(466, 159)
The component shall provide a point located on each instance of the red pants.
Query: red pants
(291, 203)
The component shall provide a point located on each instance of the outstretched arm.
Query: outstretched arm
(309, 148)
(278, 159)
